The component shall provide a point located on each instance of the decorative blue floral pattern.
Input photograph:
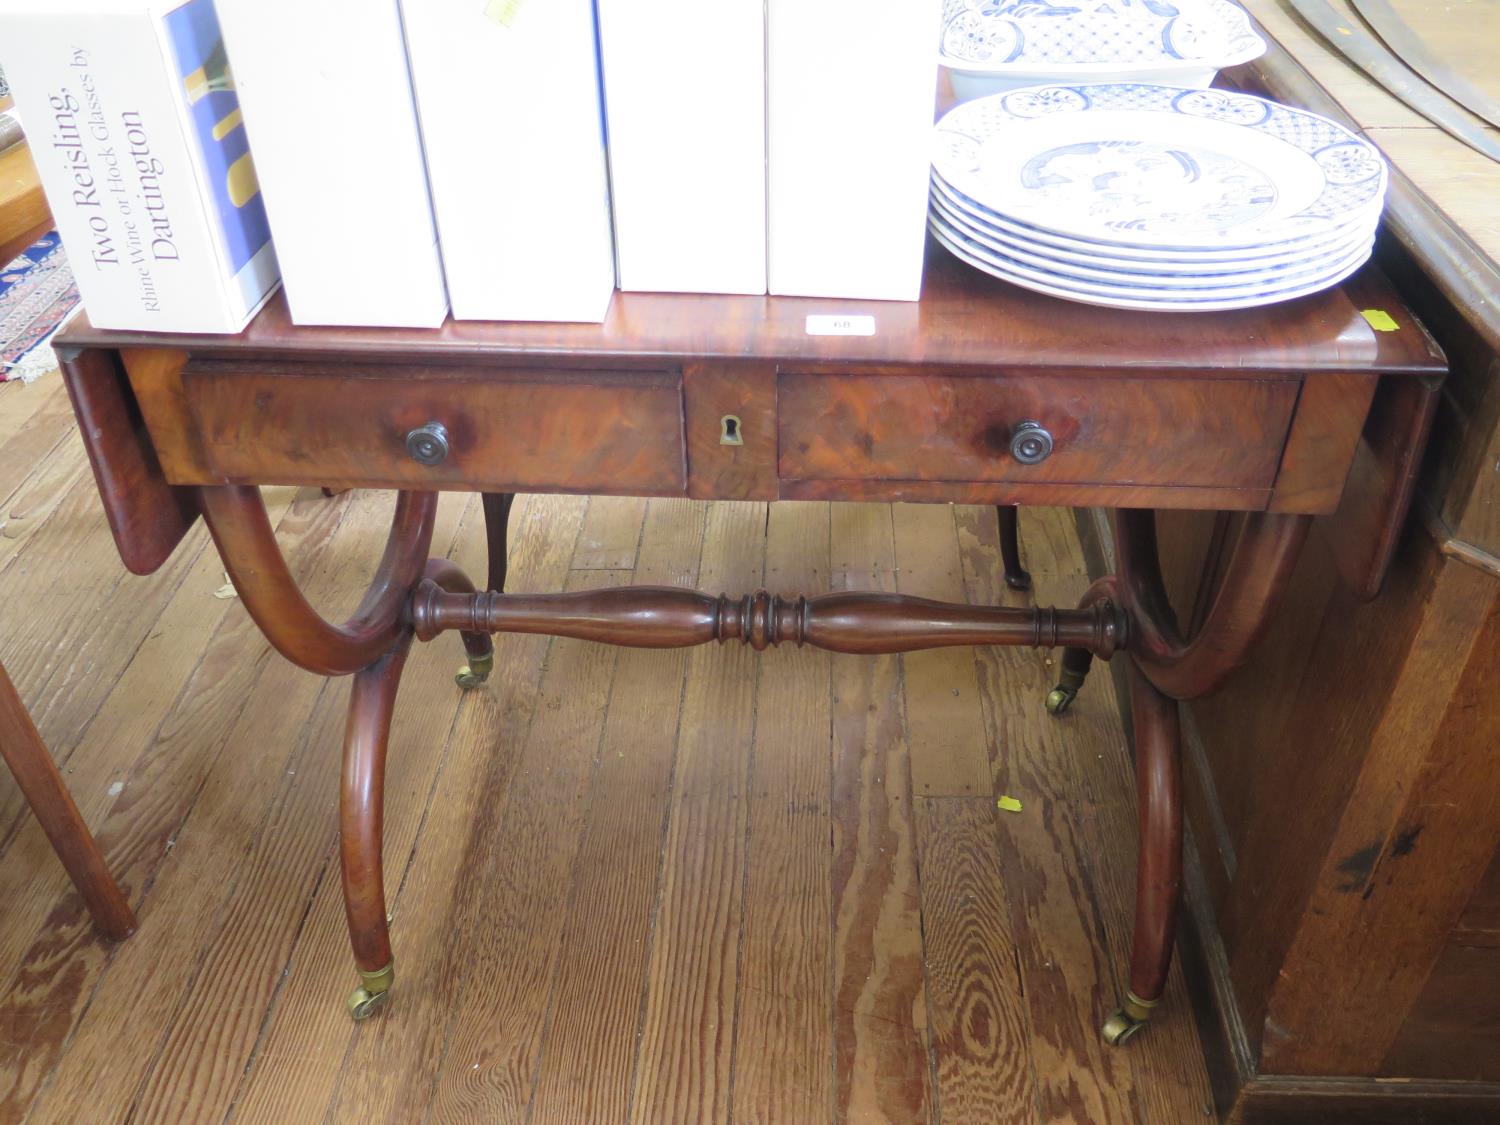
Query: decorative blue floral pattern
(1217, 105)
(994, 33)
(1041, 100)
(1152, 186)
(1138, 185)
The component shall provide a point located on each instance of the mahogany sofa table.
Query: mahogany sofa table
(980, 393)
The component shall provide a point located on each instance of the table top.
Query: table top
(965, 319)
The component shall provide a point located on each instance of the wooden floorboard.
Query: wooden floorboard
(882, 1069)
(626, 885)
(783, 1056)
(588, 1058)
(687, 1027)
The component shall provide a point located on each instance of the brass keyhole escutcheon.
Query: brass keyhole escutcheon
(731, 432)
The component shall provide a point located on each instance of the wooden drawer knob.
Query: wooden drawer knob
(1030, 444)
(428, 445)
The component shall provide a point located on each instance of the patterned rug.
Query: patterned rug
(37, 294)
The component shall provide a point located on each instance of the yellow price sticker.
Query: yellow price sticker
(1380, 320)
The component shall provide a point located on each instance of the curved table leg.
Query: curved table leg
(1010, 547)
(496, 521)
(42, 786)
(1158, 879)
(1165, 668)
(373, 644)
(1258, 572)
(247, 544)
(361, 825)
(362, 796)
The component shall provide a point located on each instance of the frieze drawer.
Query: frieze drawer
(1165, 432)
(506, 429)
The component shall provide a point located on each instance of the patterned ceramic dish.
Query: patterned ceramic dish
(1165, 275)
(1137, 259)
(1147, 288)
(1171, 302)
(994, 45)
(1160, 167)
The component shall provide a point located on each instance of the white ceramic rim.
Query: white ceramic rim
(1063, 73)
(1015, 229)
(1152, 293)
(1142, 305)
(1186, 276)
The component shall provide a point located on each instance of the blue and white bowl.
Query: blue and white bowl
(989, 46)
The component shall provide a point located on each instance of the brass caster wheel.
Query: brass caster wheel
(363, 1003)
(1018, 580)
(1059, 699)
(475, 672)
(1126, 1021)
(373, 993)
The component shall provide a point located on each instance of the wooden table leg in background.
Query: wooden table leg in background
(42, 786)
(496, 528)
(1010, 548)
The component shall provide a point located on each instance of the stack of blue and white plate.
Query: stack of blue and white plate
(1154, 197)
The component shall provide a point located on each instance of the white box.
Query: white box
(328, 103)
(684, 86)
(851, 95)
(508, 99)
(136, 135)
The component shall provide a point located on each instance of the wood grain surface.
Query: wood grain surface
(965, 320)
(667, 885)
(24, 215)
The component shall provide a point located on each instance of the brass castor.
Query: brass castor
(475, 672)
(1060, 698)
(1126, 1020)
(1017, 579)
(373, 993)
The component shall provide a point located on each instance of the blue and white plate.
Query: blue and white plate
(1171, 301)
(1142, 287)
(1137, 259)
(1159, 275)
(1160, 167)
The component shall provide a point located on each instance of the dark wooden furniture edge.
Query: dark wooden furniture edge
(1268, 1099)
(1243, 1097)
(1463, 272)
(1382, 484)
(147, 516)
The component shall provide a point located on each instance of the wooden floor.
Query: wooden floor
(654, 887)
